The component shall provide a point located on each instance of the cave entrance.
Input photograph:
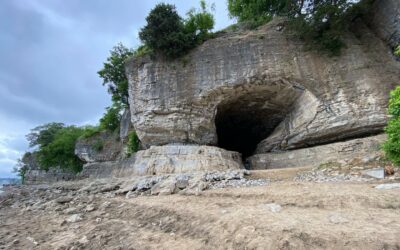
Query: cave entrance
(243, 121)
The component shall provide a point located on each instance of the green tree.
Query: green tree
(44, 134)
(200, 22)
(397, 51)
(60, 152)
(113, 74)
(170, 35)
(20, 168)
(133, 143)
(164, 32)
(392, 144)
(321, 23)
(256, 10)
(111, 118)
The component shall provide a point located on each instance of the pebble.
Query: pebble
(273, 207)
(337, 219)
(74, 218)
(63, 199)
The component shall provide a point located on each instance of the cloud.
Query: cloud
(50, 53)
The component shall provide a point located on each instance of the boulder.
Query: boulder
(170, 159)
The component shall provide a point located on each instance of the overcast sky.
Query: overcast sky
(50, 51)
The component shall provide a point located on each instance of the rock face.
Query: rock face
(363, 149)
(169, 159)
(104, 146)
(262, 91)
(385, 20)
(185, 159)
(125, 126)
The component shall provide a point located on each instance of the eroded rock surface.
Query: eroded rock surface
(364, 149)
(101, 147)
(185, 159)
(385, 20)
(246, 87)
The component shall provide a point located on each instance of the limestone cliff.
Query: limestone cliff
(262, 91)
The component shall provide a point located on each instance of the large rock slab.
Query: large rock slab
(171, 159)
(107, 169)
(363, 148)
(167, 159)
(291, 96)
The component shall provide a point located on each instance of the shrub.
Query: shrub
(142, 50)
(320, 23)
(20, 168)
(90, 131)
(255, 10)
(98, 145)
(199, 23)
(111, 118)
(392, 144)
(397, 51)
(133, 143)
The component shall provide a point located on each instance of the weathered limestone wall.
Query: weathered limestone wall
(385, 20)
(169, 159)
(334, 98)
(362, 149)
(111, 147)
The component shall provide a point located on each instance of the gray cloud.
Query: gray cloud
(50, 53)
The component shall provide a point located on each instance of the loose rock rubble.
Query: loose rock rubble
(337, 172)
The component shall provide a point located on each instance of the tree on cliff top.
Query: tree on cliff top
(113, 74)
(168, 34)
(165, 31)
(321, 23)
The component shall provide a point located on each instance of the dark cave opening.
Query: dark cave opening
(242, 123)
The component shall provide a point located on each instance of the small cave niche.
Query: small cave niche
(243, 121)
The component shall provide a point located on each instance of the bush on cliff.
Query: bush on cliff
(111, 118)
(321, 23)
(392, 144)
(170, 35)
(133, 143)
(397, 51)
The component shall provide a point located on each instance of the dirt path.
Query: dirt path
(280, 215)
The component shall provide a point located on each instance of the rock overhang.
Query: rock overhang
(309, 99)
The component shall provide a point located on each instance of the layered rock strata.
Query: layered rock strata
(262, 90)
